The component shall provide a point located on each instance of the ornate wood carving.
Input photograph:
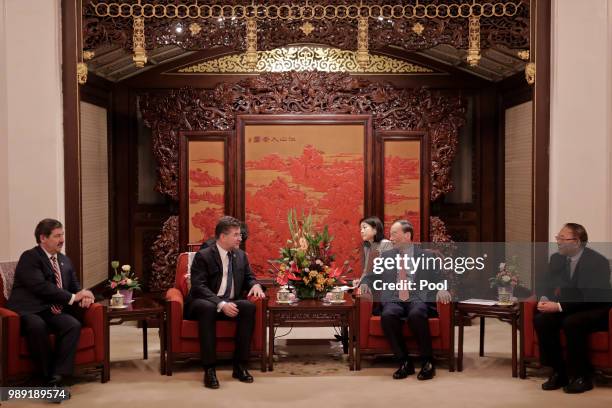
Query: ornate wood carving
(165, 251)
(437, 230)
(169, 112)
(511, 32)
(445, 247)
(305, 92)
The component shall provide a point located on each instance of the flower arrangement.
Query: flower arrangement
(306, 260)
(124, 279)
(507, 275)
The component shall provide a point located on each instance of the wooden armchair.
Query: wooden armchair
(15, 363)
(371, 338)
(600, 343)
(182, 335)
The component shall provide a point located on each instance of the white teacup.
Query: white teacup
(116, 300)
(283, 295)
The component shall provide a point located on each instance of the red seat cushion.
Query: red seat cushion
(598, 341)
(86, 341)
(182, 267)
(377, 330)
(225, 329)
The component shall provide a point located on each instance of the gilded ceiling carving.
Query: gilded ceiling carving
(304, 58)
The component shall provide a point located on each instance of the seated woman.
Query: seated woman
(374, 244)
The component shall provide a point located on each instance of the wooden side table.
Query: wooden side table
(310, 313)
(510, 314)
(141, 309)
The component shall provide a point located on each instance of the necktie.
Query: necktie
(568, 268)
(404, 294)
(230, 278)
(56, 309)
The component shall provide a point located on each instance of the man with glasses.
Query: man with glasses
(579, 282)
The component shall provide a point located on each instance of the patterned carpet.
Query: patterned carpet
(317, 373)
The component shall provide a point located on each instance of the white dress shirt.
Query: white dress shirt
(225, 264)
(573, 262)
(58, 265)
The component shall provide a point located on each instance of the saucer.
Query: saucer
(286, 302)
(337, 302)
(512, 303)
(119, 307)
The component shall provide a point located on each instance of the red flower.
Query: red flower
(282, 279)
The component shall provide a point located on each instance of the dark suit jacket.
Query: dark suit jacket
(35, 288)
(390, 276)
(207, 273)
(208, 243)
(588, 288)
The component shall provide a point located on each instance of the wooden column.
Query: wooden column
(71, 50)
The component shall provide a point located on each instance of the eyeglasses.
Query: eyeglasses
(560, 238)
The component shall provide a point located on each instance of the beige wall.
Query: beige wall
(518, 172)
(31, 145)
(4, 208)
(94, 193)
(581, 110)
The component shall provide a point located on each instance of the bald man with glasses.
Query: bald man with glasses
(578, 284)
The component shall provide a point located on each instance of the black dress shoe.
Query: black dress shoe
(210, 378)
(406, 369)
(241, 373)
(58, 381)
(555, 381)
(578, 385)
(55, 380)
(428, 371)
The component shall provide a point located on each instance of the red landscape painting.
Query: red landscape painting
(316, 169)
(206, 188)
(403, 184)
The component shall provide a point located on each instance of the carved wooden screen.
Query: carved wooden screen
(317, 164)
(302, 94)
(403, 193)
(206, 184)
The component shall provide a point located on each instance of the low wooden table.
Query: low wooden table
(510, 314)
(141, 309)
(310, 313)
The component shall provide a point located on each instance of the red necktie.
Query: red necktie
(56, 309)
(404, 294)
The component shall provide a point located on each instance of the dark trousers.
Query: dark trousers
(205, 312)
(67, 329)
(576, 327)
(417, 315)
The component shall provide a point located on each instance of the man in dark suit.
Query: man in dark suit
(415, 305)
(45, 294)
(578, 282)
(220, 276)
(244, 235)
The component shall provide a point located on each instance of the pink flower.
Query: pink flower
(282, 279)
(113, 285)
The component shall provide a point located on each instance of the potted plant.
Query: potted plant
(307, 261)
(506, 280)
(124, 281)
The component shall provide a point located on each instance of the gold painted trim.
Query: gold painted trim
(81, 73)
(304, 58)
(313, 11)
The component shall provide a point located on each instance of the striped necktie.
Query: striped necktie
(56, 309)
